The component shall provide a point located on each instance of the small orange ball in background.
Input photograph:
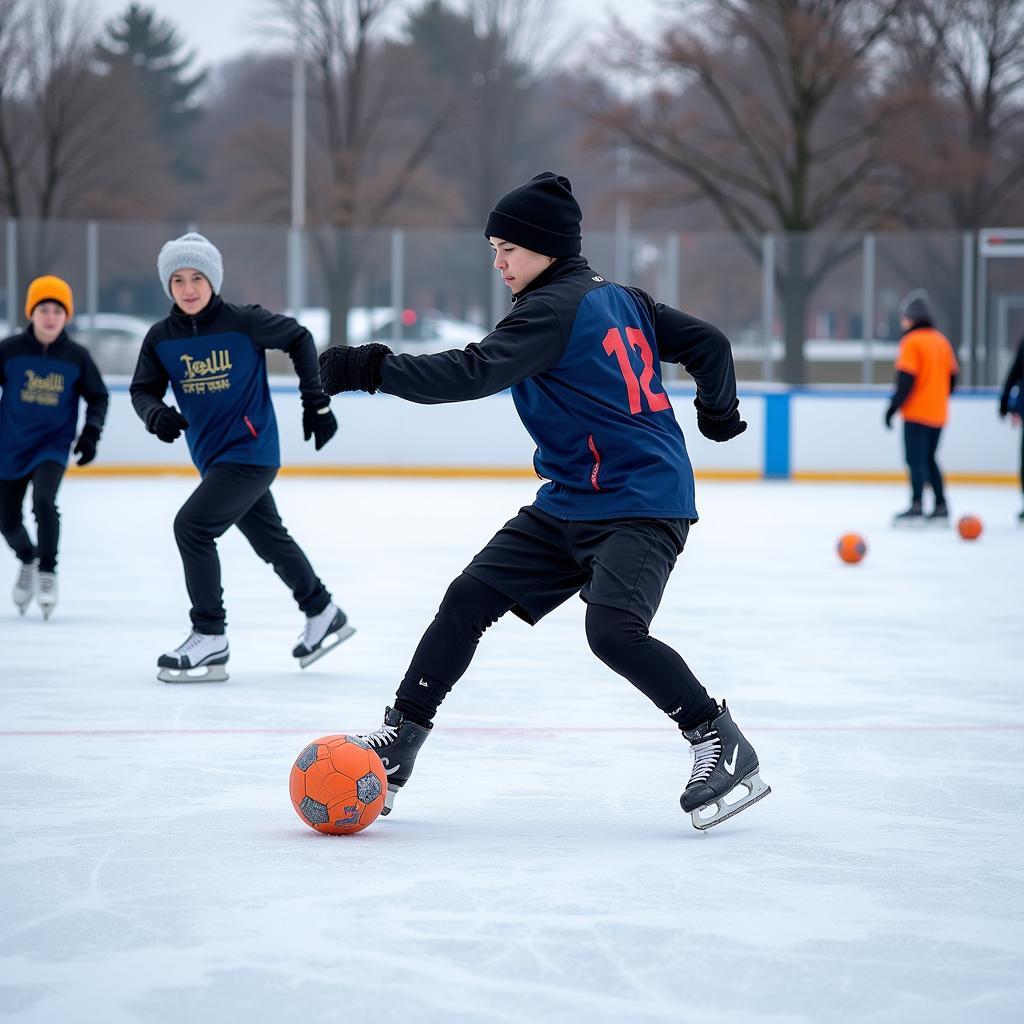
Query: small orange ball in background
(338, 785)
(969, 527)
(852, 548)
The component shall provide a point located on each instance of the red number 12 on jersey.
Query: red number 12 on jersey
(614, 345)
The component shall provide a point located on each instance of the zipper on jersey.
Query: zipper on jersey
(595, 470)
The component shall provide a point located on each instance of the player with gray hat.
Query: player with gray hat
(212, 354)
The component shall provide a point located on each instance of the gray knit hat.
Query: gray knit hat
(916, 307)
(190, 252)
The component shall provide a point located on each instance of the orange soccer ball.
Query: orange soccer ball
(969, 527)
(852, 548)
(338, 784)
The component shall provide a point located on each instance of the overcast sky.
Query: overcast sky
(224, 28)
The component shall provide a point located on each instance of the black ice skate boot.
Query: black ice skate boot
(723, 761)
(939, 516)
(913, 516)
(397, 743)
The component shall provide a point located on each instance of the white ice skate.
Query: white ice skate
(322, 634)
(46, 598)
(200, 659)
(25, 585)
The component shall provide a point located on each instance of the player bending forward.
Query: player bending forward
(581, 355)
(212, 354)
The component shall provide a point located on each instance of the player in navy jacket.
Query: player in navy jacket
(212, 354)
(581, 355)
(43, 374)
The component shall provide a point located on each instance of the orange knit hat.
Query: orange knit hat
(49, 289)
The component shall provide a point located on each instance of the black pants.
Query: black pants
(535, 563)
(232, 494)
(45, 480)
(921, 444)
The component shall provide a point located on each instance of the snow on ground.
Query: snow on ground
(538, 866)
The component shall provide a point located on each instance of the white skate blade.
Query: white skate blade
(202, 674)
(751, 788)
(329, 643)
(47, 610)
(389, 799)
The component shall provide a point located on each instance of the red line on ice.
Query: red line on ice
(497, 730)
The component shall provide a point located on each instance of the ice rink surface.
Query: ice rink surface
(538, 866)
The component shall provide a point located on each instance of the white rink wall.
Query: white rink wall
(791, 433)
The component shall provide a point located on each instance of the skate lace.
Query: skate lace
(705, 757)
(47, 583)
(192, 640)
(24, 576)
(381, 737)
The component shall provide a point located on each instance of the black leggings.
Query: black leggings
(45, 480)
(619, 638)
(921, 444)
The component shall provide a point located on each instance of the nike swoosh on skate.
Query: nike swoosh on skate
(730, 766)
(390, 771)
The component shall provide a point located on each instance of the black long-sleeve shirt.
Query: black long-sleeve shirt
(214, 362)
(582, 357)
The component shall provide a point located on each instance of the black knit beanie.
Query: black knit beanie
(541, 215)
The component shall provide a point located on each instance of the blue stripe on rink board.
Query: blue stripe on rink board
(776, 436)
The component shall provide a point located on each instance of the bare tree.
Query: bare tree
(373, 125)
(968, 57)
(770, 111)
(71, 140)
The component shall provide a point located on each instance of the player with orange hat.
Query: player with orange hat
(43, 374)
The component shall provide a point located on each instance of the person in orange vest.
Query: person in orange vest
(926, 373)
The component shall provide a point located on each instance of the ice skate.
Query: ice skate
(939, 516)
(25, 585)
(913, 516)
(725, 778)
(200, 659)
(397, 742)
(46, 597)
(322, 634)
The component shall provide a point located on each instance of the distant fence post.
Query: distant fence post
(767, 304)
(92, 272)
(397, 282)
(12, 273)
(867, 373)
(967, 301)
(296, 285)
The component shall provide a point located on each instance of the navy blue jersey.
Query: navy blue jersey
(582, 356)
(216, 366)
(42, 385)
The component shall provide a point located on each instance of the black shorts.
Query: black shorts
(540, 562)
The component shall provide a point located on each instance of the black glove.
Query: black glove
(719, 426)
(85, 446)
(889, 413)
(352, 369)
(318, 421)
(1004, 406)
(167, 423)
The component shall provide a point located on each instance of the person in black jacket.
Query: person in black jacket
(43, 374)
(1011, 401)
(212, 354)
(582, 357)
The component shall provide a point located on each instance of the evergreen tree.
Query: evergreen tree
(147, 48)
